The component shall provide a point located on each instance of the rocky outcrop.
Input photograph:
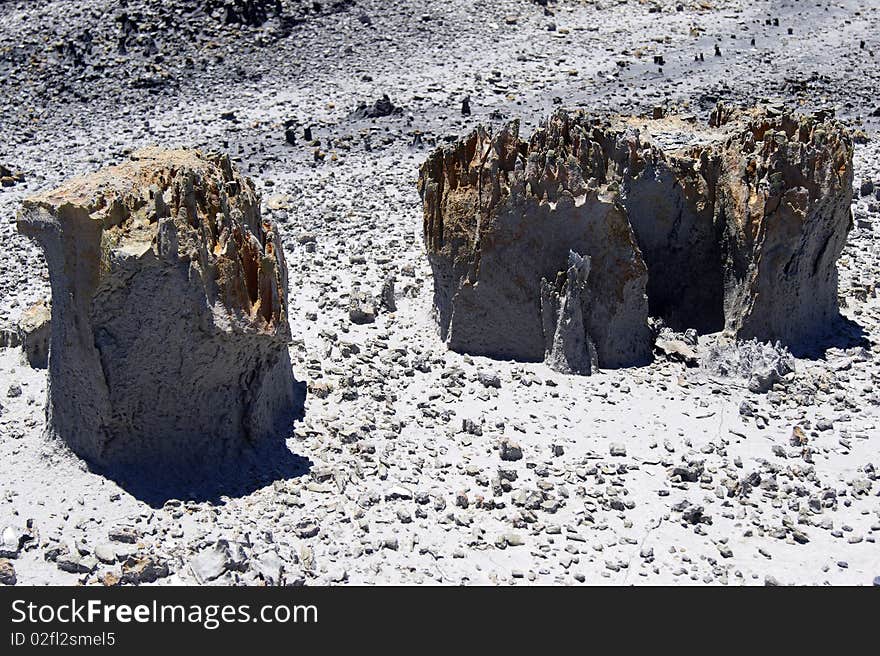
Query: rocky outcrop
(170, 327)
(735, 225)
(783, 196)
(33, 331)
(759, 364)
(501, 216)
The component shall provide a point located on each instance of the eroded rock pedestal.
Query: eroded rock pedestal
(735, 225)
(169, 331)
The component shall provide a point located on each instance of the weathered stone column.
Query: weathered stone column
(169, 300)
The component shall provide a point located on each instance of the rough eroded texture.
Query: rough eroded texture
(169, 331)
(784, 193)
(568, 348)
(735, 225)
(500, 217)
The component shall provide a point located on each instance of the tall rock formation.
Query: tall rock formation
(735, 225)
(169, 300)
(501, 216)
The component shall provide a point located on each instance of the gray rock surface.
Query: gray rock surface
(760, 364)
(7, 573)
(9, 337)
(501, 215)
(361, 307)
(10, 542)
(216, 560)
(144, 569)
(568, 346)
(382, 434)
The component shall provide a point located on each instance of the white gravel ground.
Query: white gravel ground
(396, 472)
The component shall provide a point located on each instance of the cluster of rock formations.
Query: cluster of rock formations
(169, 342)
(169, 295)
(560, 247)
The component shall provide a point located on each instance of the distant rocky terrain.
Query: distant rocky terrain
(715, 461)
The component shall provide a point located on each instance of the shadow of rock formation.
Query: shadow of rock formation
(240, 472)
(841, 333)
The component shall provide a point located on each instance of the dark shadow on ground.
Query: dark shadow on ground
(249, 469)
(844, 333)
